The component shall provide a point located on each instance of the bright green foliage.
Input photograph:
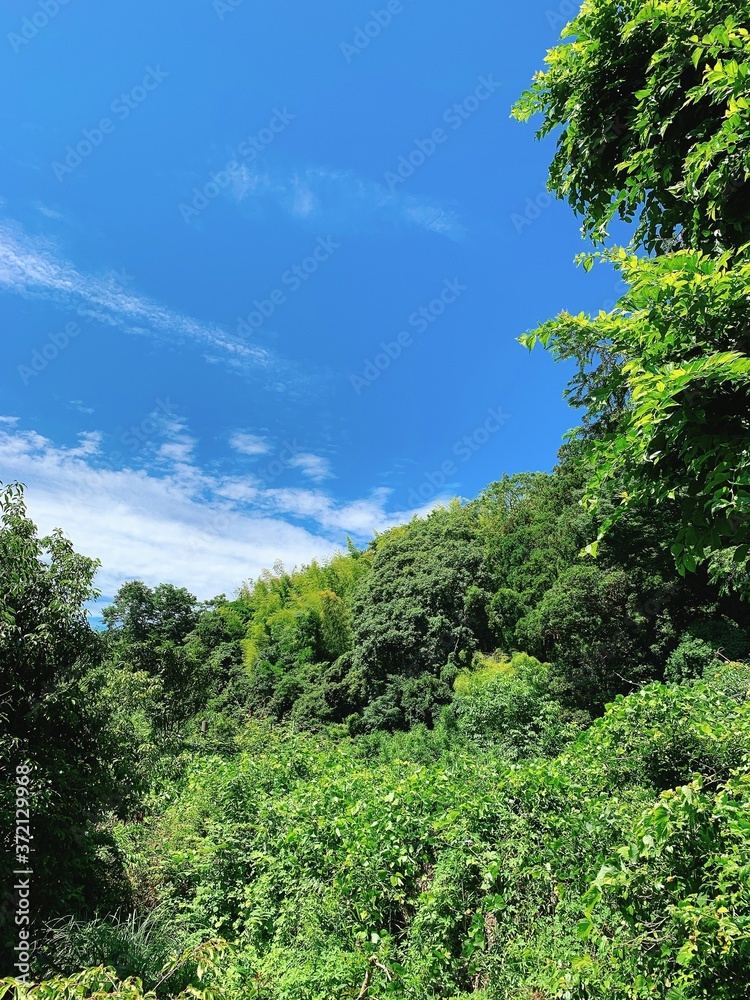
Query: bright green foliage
(665, 382)
(298, 626)
(485, 670)
(446, 766)
(425, 868)
(732, 679)
(652, 100)
(510, 706)
(335, 624)
(206, 962)
(680, 891)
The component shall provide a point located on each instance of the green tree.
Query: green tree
(652, 99)
(146, 633)
(421, 612)
(651, 103)
(139, 614)
(56, 721)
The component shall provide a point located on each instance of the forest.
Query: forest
(501, 751)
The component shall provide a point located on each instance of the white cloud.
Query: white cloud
(32, 267)
(313, 466)
(78, 404)
(90, 443)
(358, 517)
(178, 524)
(51, 213)
(341, 201)
(177, 451)
(249, 444)
(305, 202)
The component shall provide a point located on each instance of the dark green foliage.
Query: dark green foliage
(54, 718)
(132, 946)
(140, 615)
(376, 639)
(423, 606)
(171, 657)
(591, 624)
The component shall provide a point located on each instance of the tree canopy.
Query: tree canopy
(651, 100)
(652, 103)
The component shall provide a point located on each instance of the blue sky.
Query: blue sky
(262, 270)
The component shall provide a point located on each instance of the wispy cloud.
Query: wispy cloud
(78, 404)
(51, 213)
(341, 202)
(313, 466)
(169, 520)
(249, 444)
(32, 267)
(360, 518)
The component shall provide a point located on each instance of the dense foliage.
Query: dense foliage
(504, 750)
(55, 718)
(652, 102)
(349, 776)
(665, 381)
(651, 99)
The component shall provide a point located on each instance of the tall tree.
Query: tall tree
(54, 721)
(652, 101)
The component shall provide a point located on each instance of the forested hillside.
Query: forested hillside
(501, 751)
